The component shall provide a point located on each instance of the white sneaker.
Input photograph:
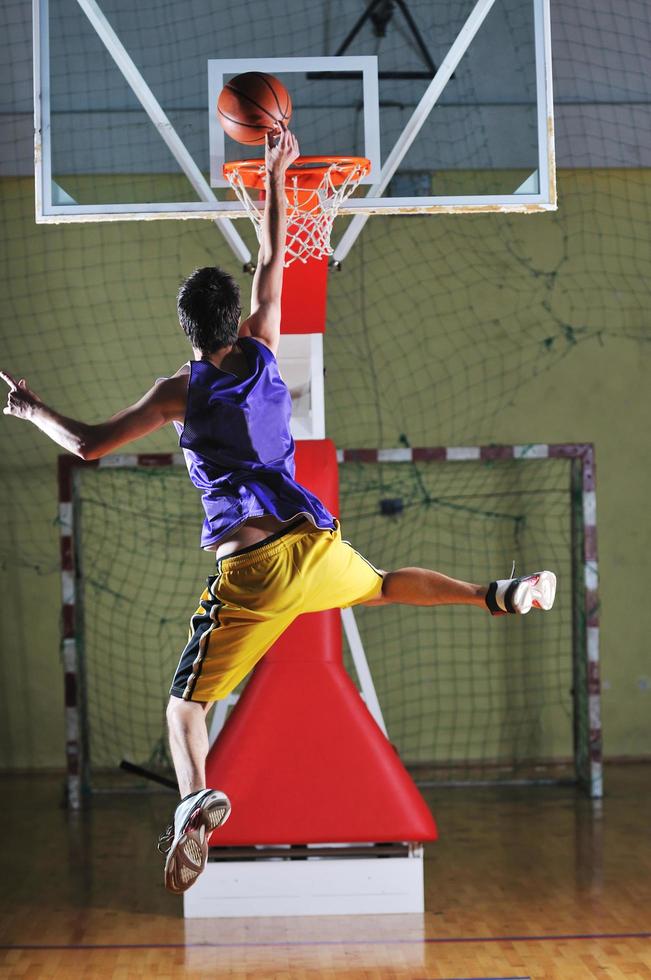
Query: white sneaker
(185, 841)
(519, 595)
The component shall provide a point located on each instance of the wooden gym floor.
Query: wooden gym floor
(524, 883)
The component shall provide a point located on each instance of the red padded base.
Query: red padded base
(303, 761)
(300, 756)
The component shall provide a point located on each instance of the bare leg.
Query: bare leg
(185, 842)
(422, 587)
(186, 721)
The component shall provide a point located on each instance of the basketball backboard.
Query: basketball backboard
(451, 101)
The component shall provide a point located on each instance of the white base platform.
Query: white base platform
(316, 886)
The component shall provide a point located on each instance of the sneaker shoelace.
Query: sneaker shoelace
(165, 839)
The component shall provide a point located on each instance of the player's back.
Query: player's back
(238, 445)
(234, 423)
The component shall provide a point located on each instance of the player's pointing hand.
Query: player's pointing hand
(21, 401)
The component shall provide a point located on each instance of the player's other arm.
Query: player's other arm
(264, 321)
(162, 403)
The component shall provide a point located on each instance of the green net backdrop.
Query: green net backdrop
(464, 695)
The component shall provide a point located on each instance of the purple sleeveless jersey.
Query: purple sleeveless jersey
(238, 446)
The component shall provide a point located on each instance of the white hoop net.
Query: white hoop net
(311, 211)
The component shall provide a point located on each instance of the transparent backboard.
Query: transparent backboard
(451, 100)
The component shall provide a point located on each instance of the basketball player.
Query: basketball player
(279, 551)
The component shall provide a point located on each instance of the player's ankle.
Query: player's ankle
(192, 792)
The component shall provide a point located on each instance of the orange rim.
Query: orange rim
(306, 173)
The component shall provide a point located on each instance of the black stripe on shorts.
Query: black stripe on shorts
(192, 659)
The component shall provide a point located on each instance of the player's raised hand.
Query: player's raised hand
(281, 149)
(21, 401)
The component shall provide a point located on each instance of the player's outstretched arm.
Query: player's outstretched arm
(162, 403)
(264, 321)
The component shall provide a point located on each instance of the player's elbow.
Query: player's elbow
(88, 452)
(89, 446)
(269, 275)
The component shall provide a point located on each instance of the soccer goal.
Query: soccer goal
(466, 697)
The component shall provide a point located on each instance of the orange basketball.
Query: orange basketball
(252, 105)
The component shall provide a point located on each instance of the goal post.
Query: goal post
(465, 697)
(472, 510)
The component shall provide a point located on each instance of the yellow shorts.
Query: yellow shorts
(254, 597)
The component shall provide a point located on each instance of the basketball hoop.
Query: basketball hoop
(315, 188)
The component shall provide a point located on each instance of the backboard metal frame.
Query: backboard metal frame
(537, 193)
